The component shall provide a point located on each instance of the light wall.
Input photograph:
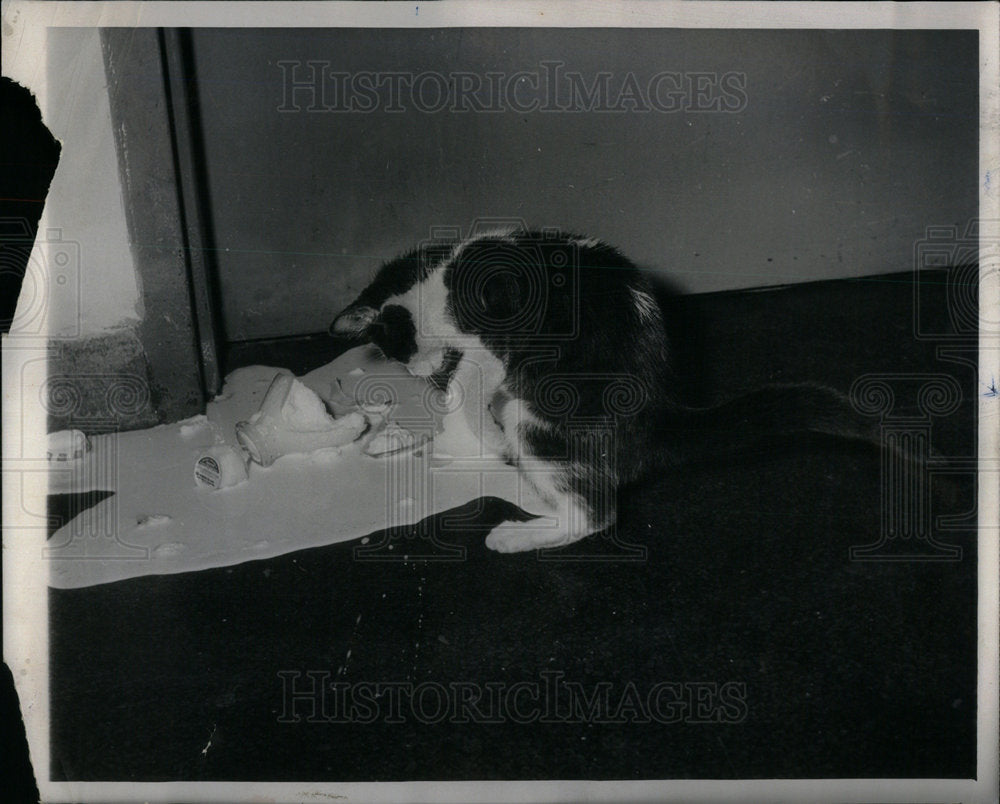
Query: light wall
(81, 269)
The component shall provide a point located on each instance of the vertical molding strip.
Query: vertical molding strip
(182, 100)
(148, 173)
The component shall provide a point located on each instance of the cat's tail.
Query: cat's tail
(766, 419)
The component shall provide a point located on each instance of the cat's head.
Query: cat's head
(390, 327)
(494, 288)
(385, 312)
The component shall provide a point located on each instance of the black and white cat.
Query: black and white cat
(568, 340)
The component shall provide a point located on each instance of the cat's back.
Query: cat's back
(548, 286)
(576, 299)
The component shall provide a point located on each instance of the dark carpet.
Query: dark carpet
(723, 631)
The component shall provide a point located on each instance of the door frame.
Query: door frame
(154, 111)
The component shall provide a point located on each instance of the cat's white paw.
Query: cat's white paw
(517, 537)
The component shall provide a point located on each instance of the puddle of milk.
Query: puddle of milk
(159, 521)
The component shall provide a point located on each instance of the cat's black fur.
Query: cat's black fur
(581, 383)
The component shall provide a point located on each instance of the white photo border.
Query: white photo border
(25, 572)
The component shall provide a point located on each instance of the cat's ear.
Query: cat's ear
(354, 321)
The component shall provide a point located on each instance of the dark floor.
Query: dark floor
(729, 591)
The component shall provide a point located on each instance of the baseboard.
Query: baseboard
(99, 384)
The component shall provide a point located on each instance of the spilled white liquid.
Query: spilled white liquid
(159, 521)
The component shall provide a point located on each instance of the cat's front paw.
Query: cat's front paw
(517, 537)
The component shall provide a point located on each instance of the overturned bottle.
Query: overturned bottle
(292, 418)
